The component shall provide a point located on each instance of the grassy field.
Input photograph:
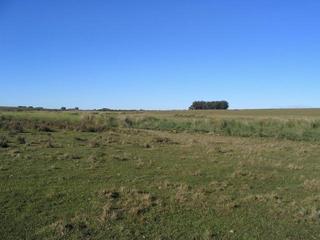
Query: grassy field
(249, 174)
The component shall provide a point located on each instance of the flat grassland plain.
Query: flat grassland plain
(249, 174)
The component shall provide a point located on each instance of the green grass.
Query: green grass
(160, 175)
(300, 125)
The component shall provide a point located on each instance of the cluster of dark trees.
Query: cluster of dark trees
(205, 105)
(29, 107)
(69, 109)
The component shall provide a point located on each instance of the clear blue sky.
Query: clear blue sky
(159, 54)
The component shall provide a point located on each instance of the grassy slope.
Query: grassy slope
(135, 183)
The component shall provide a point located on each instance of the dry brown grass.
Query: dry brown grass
(263, 198)
(293, 166)
(126, 202)
(312, 184)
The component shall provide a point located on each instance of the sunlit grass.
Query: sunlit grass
(158, 176)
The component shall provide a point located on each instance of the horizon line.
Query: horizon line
(39, 108)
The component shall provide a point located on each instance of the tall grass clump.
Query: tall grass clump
(281, 128)
(165, 124)
(295, 129)
(97, 123)
(112, 122)
(90, 123)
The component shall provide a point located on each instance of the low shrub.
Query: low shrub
(4, 143)
(21, 140)
(43, 127)
(15, 127)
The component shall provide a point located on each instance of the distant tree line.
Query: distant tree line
(205, 105)
(32, 108)
(22, 108)
(63, 108)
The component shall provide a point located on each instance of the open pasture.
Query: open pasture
(249, 174)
